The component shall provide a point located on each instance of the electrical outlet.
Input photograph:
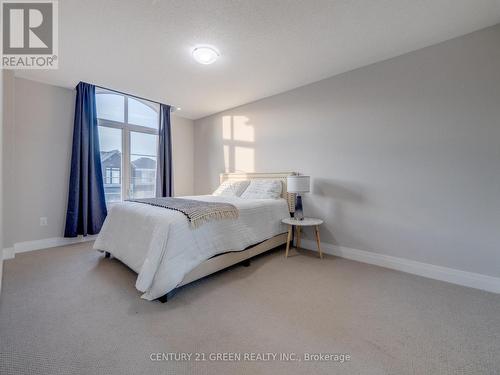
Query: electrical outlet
(44, 221)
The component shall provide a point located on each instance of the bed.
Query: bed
(166, 252)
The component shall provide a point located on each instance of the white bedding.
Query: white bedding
(161, 246)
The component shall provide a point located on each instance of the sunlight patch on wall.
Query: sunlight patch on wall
(238, 138)
(242, 131)
(227, 161)
(244, 159)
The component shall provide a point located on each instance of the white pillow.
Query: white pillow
(231, 188)
(263, 189)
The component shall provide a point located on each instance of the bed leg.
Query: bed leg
(167, 296)
(246, 263)
(163, 298)
(107, 254)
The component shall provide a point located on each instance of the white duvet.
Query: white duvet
(161, 246)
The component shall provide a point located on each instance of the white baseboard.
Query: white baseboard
(8, 253)
(46, 243)
(451, 275)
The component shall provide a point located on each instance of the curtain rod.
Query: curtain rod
(172, 108)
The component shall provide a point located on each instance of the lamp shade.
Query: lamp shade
(298, 184)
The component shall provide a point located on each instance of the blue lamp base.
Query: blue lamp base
(299, 212)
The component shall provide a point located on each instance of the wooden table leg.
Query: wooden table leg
(299, 232)
(318, 242)
(288, 240)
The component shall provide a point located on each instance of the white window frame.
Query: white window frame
(126, 128)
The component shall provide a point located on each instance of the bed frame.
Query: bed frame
(225, 260)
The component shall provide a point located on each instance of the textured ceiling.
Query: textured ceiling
(267, 46)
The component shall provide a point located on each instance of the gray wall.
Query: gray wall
(38, 154)
(183, 155)
(3, 74)
(7, 152)
(2, 113)
(404, 154)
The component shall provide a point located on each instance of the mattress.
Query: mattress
(161, 246)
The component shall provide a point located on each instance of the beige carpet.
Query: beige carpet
(70, 311)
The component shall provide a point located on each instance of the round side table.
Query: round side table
(307, 222)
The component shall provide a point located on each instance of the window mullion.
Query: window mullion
(125, 107)
(110, 124)
(142, 129)
(126, 154)
(126, 164)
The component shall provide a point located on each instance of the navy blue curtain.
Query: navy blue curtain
(164, 167)
(86, 203)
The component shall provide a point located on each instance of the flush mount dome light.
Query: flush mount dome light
(205, 55)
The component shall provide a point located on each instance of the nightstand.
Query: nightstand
(307, 222)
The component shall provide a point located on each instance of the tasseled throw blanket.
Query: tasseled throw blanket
(197, 212)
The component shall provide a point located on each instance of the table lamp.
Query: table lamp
(298, 184)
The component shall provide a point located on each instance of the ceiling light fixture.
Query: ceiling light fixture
(205, 55)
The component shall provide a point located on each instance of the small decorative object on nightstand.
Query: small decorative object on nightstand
(305, 222)
(298, 184)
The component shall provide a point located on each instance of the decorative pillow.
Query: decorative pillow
(231, 188)
(263, 189)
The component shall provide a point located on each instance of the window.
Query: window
(112, 176)
(143, 160)
(128, 138)
(110, 142)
